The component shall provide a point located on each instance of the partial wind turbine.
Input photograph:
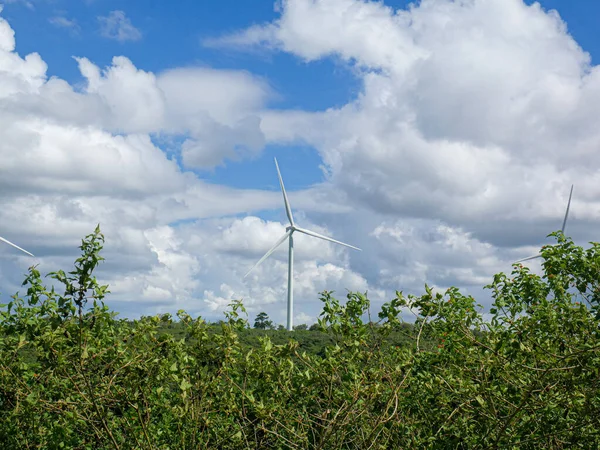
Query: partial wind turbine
(539, 255)
(15, 246)
(289, 231)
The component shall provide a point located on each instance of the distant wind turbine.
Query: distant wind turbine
(539, 255)
(288, 235)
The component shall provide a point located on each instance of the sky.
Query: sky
(441, 137)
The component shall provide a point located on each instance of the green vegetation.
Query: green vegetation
(313, 341)
(262, 322)
(74, 376)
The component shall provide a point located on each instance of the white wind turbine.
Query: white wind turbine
(539, 255)
(15, 246)
(289, 235)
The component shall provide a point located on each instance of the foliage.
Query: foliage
(74, 376)
(262, 322)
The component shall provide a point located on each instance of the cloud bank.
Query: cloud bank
(456, 157)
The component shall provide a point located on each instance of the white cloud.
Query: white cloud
(64, 22)
(217, 302)
(478, 113)
(171, 280)
(73, 159)
(236, 245)
(454, 160)
(131, 95)
(220, 118)
(217, 109)
(214, 142)
(117, 26)
(474, 119)
(368, 33)
(303, 318)
(254, 237)
(193, 90)
(421, 251)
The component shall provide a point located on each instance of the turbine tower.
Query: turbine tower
(539, 255)
(289, 231)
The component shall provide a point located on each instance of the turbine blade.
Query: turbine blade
(288, 210)
(567, 213)
(15, 246)
(325, 238)
(529, 258)
(279, 242)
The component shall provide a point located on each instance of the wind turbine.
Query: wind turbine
(15, 246)
(539, 255)
(289, 231)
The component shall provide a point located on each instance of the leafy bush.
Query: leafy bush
(72, 375)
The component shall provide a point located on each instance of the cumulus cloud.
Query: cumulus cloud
(236, 246)
(456, 158)
(452, 256)
(253, 236)
(220, 116)
(218, 110)
(74, 158)
(116, 25)
(479, 113)
(171, 280)
(474, 118)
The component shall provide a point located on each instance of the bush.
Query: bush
(74, 376)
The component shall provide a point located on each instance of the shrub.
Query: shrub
(72, 375)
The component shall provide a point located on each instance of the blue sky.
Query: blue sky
(450, 133)
(172, 32)
(172, 35)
